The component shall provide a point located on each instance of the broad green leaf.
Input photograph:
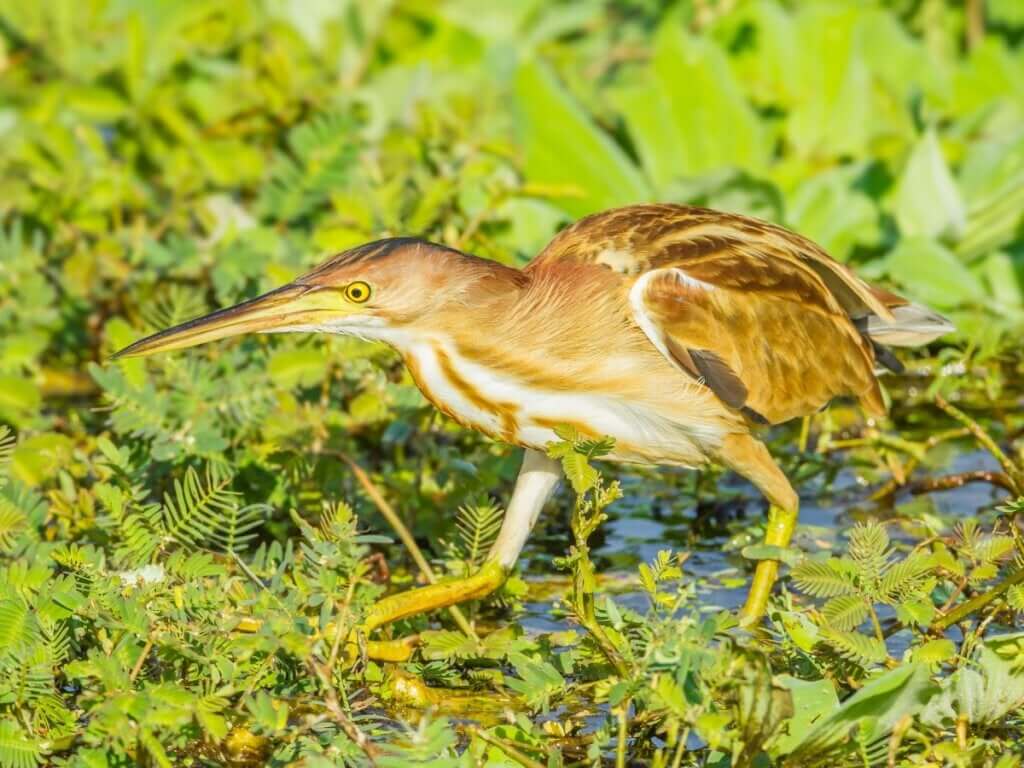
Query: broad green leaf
(831, 84)
(812, 701)
(931, 273)
(39, 457)
(934, 651)
(563, 146)
(1004, 277)
(879, 704)
(688, 114)
(927, 200)
(829, 209)
(787, 555)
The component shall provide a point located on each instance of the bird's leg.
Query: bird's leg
(781, 523)
(751, 459)
(537, 479)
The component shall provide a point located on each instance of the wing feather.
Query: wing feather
(760, 315)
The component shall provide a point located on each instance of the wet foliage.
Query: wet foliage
(186, 542)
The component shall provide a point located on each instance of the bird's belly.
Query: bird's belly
(509, 410)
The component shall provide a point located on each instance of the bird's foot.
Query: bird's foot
(421, 600)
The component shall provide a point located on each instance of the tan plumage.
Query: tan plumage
(675, 330)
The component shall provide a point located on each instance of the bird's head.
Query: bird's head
(374, 291)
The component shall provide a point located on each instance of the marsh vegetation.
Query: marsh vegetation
(185, 541)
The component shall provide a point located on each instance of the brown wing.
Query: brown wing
(763, 316)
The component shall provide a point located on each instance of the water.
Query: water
(659, 511)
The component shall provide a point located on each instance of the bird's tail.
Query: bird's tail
(911, 325)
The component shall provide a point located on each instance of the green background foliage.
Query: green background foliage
(161, 158)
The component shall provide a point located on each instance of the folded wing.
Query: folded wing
(764, 317)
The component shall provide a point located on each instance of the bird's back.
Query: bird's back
(761, 315)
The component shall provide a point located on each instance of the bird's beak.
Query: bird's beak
(291, 307)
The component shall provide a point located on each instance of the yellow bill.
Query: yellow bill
(293, 307)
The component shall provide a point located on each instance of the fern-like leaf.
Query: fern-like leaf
(337, 522)
(869, 548)
(1015, 597)
(235, 529)
(18, 625)
(17, 750)
(322, 151)
(994, 549)
(12, 522)
(478, 526)
(821, 579)
(198, 506)
(845, 612)
(905, 579)
(855, 646)
(6, 451)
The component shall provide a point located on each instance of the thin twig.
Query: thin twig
(959, 480)
(339, 716)
(623, 736)
(894, 484)
(141, 660)
(677, 759)
(389, 514)
(1014, 472)
(511, 751)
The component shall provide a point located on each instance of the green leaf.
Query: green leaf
(855, 646)
(563, 147)
(932, 274)
(832, 212)
(478, 526)
(927, 202)
(580, 474)
(812, 700)
(787, 555)
(689, 115)
(879, 705)
(830, 83)
(17, 750)
(934, 651)
(821, 579)
(845, 612)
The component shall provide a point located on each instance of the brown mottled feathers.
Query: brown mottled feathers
(762, 315)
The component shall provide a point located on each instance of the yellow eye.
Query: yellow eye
(357, 291)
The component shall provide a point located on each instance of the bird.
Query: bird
(679, 332)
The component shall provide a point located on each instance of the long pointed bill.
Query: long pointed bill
(291, 307)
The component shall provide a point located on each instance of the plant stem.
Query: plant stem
(338, 714)
(1015, 473)
(620, 748)
(520, 757)
(977, 602)
(681, 748)
(142, 659)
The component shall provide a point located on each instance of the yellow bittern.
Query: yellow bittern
(675, 330)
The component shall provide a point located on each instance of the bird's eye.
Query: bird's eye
(357, 291)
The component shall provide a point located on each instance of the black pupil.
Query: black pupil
(357, 292)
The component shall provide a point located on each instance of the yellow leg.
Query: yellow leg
(781, 523)
(421, 600)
